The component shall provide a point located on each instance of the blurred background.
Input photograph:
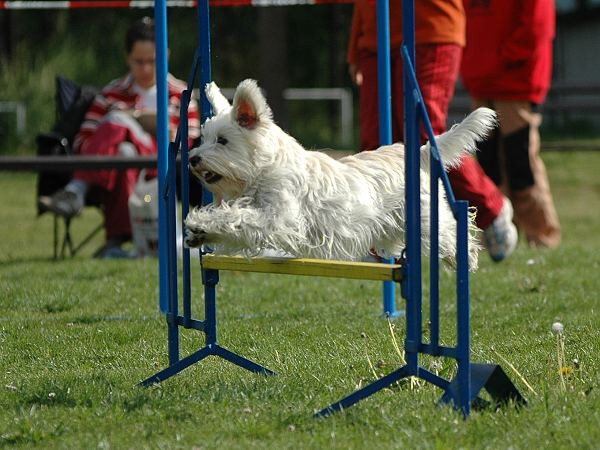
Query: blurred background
(298, 54)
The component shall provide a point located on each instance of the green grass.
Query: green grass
(77, 335)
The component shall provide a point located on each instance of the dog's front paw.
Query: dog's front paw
(194, 237)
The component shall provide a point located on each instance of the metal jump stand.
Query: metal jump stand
(463, 390)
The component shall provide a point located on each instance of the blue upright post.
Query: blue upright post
(160, 21)
(185, 202)
(167, 291)
(434, 245)
(209, 278)
(183, 135)
(385, 118)
(384, 85)
(463, 344)
(413, 205)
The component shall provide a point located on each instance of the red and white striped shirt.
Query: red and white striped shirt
(120, 95)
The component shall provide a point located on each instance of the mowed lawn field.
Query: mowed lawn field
(77, 335)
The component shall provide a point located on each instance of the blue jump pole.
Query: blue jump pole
(167, 271)
(385, 120)
(413, 205)
(209, 278)
(160, 22)
(185, 204)
(463, 327)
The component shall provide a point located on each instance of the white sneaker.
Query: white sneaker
(501, 237)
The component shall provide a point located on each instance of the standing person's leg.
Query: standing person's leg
(526, 177)
(469, 182)
(438, 67)
(397, 97)
(368, 106)
(437, 71)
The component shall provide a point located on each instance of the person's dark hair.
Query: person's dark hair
(142, 30)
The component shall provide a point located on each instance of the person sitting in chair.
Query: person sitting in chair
(121, 121)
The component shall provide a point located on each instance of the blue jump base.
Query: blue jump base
(461, 392)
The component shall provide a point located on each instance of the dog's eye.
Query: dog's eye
(221, 140)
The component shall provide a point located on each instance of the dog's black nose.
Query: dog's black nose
(194, 160)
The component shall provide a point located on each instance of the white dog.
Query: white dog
(270, 193)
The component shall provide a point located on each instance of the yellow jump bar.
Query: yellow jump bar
(310, 267)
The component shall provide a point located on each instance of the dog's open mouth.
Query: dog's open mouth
(210, 177)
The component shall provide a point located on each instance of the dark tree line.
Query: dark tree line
(291, 46)
(302, 45)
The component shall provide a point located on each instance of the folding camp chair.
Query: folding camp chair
(72, 102)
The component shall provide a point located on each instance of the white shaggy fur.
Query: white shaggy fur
(270, 193)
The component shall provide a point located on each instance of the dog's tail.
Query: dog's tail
(462, 138)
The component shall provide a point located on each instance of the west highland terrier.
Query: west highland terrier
(271, 193)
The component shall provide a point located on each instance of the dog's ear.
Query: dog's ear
(249, 105)
(218, 101)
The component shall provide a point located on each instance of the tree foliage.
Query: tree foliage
(87, 46)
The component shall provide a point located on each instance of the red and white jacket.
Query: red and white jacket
(120, 95)
(509, 49)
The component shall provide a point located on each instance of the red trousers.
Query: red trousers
(437, 71)
(115, 186)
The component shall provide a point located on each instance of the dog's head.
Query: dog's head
(237, 142)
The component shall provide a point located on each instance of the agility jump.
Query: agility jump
(462, 391)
